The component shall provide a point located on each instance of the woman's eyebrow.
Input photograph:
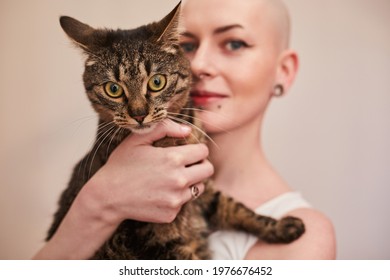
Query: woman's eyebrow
(188, 34)
(226, 28)
(218, 30)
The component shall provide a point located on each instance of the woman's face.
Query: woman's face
(234, 50)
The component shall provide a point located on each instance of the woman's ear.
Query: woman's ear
(287, 68)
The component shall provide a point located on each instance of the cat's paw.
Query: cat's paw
(289, 229)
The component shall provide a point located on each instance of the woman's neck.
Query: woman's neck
(241, 168)
(232, 149)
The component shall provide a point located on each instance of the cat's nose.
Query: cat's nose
(139, 118)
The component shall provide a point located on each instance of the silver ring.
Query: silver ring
(194, 191)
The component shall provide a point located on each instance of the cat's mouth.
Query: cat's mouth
(140, 128)
(140, 124)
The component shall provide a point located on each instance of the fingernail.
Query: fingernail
(185, 129)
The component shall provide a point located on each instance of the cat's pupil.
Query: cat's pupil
(157, 81)
(114, 88)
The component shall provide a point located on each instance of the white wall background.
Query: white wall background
(330, 137)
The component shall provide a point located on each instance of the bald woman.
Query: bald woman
(240, 56)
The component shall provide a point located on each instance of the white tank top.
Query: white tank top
(234, 245)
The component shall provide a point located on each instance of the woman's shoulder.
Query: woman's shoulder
(318, 241)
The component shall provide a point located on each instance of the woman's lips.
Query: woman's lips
(205, 97)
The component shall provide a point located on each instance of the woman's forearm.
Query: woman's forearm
(139, 182)
(82, 232)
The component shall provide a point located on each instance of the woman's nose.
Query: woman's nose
(202, 64)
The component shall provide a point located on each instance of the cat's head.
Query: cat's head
(133, 77)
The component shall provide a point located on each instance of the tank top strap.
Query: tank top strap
(282, 204)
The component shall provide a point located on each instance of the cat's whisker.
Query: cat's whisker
(184, 138)
(99, 136)
(104, 125)
(69, 128)
(99, 129)
(194, 126)
(200, 120)
(227, 118)
(103, 137)
(195, 118)
(112, 138)
(81, 120)
(193, 134)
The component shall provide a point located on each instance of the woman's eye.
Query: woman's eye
(157, 82)
(113, 90)
(188, 47)
(235, 45)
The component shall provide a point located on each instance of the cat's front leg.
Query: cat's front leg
(284, 230)
(224, 213)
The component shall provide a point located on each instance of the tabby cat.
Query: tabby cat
(135, 79)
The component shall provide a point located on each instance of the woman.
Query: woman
(240, 60)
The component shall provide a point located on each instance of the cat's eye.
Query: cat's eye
(157, 82)
(113, 90)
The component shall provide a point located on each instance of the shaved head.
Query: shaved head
(278, 12)
(273, 11)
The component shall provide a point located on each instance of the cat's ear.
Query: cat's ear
(82, 34)
(168, 32)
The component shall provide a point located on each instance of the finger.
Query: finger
(199, 172)
(186, 155)
(165, 128)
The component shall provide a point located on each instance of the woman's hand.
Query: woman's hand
(139, 182)
(147, 183)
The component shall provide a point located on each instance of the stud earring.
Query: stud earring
(278, 90)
